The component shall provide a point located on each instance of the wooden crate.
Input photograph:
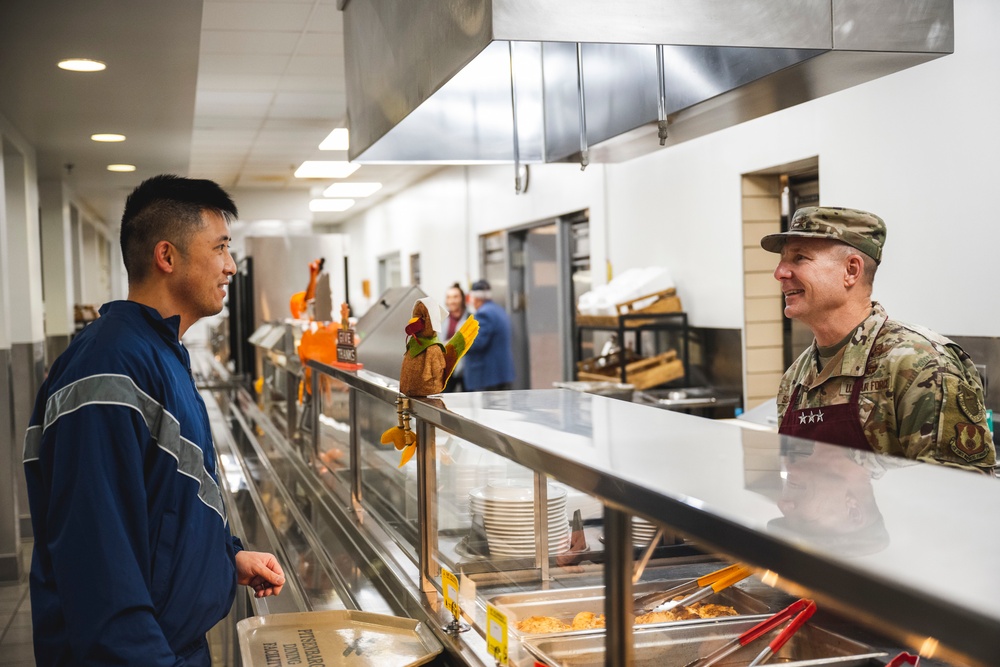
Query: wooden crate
(666, 301)
(642, 374)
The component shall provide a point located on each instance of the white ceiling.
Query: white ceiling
(240, 92)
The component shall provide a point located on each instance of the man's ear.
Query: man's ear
(853, 270)
(165, 256)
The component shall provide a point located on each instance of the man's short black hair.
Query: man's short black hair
(167, 208)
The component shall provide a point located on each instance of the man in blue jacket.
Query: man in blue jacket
(489, 363)
(133, 561)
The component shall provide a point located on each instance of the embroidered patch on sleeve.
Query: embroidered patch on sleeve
(969, 403)
(969, 442)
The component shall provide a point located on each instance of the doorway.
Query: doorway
(539, 270)
(390, 272)
(771, 340)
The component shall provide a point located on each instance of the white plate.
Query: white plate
(526, 537)
(508, 491)
(524, 543)
(518, 514)
(526, 553)
(528, 520)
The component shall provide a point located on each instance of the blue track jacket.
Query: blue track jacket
(490, 360)
(133, 562)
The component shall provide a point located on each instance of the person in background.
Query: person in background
(454, 302)
(867, 381)
(133, 561)
(489, 364)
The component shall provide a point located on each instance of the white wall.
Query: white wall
(916, 147)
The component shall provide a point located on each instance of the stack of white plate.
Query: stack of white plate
(508, 511)
(642, 532)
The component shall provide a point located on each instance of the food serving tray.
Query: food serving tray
(678, 644)
(348, 638)
(566, 603)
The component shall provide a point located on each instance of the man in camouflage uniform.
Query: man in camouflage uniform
(866, 381)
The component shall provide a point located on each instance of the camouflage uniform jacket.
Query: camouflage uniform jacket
(921, 398)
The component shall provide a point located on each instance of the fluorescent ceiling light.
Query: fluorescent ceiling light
(121, 167)
(326, 169)
(107, 137)
(317, 205)
(338, 140)
(352, 189)
(82, 65)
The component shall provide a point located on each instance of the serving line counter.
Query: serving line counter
(889, 543)
(901, 549)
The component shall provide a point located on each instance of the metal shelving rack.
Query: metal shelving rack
(637, 323)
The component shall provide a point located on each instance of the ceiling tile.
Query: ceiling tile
(255, 16)
(222, 63)
(256, 42)
(327, 18)
(249, 82)
(320, 44)
(331, 80)
(316, 65)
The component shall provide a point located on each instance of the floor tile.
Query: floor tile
(13, 636)
(19, 652)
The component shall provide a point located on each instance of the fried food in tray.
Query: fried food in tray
(586, 620)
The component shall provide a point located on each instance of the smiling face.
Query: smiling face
(203, 269)
(812, 274)
(454, 302)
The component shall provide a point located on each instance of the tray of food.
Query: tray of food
(581, 610)
(681, 644)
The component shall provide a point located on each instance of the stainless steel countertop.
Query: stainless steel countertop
(923, 560)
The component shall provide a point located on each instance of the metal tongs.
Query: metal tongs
(703, 587)
(799, 611)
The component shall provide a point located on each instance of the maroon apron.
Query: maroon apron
(835, 424)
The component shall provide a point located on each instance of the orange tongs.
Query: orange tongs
(702, 587)
(799, 612)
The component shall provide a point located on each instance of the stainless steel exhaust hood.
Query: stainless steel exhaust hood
(487, 81)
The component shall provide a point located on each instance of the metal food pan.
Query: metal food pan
(566, 603)
(678, 644)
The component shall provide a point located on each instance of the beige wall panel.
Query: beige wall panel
(763, 384)
(761, 284)
(764, 334)
(753, 232)
(756, 258)
(765, 359)
(764, 309)
(762, 208)
(756, 186)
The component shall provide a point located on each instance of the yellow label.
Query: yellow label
(449, 586)
(496, 634)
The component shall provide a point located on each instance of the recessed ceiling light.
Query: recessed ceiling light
(107, 137)
(317, 205)
(326, 169)
(352, 189)
(82, 65)
(338, 140)
(121, 167)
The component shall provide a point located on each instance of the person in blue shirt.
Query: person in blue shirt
(133, 561)
(489, 363)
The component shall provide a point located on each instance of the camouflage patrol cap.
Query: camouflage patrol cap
(859, 229)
